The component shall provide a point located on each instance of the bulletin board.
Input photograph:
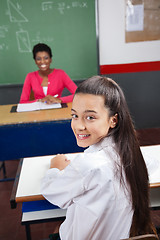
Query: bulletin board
(142, 20)
(121, 48)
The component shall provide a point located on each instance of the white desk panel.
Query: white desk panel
(43, 214)
(32, 172)
(34, 169)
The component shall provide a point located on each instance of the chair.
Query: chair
(31, 98)
(143, 237)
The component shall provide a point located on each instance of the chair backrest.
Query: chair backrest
(143, 237)
(31, 98)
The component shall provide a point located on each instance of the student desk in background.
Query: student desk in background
(35, 209)
(37, 133)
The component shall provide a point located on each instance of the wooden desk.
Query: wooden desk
(10, 118)
(28, 134)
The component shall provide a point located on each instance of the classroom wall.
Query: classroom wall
(141, 88)
(132, 63)
(142, 94)
(112, 42)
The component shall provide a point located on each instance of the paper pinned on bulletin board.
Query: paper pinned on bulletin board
(142, 20)
(134, 18)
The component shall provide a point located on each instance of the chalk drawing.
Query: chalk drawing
(3, 30)
(46, 6)
(20, 27)
(23, 41)
(61, 7)
(3, 46)
(15, 14)
(19, 7)
(39, 39)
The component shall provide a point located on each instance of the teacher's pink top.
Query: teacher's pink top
(57, 81)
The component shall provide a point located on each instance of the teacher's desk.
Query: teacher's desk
(37, 133)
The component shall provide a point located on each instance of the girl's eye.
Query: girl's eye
(46, 58)
(74, 116)
(90, 117)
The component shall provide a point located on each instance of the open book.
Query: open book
(26, 107)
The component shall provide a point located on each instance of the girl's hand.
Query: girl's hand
(50, 99)
(60, 162)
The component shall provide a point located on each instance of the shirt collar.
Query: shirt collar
(105, 142)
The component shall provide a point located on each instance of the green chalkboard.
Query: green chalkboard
(67, 26)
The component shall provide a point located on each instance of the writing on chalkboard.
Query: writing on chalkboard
(46, 6)
(62, 6)
(15, 14)
(3, 33)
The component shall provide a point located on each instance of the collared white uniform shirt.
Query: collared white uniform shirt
(98, 207)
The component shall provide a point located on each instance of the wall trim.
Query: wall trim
(130, 67)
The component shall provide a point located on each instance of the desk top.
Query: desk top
(29, 182)
(8, 118)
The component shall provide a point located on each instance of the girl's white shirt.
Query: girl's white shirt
(98, 207)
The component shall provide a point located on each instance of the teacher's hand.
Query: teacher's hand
(50, 99)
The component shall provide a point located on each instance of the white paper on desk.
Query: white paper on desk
(26, 107)
(35, 168)
(32, 172)
(151, 156)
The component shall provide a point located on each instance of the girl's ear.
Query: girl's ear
(114, 120)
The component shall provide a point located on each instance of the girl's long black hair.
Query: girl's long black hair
(132, 162)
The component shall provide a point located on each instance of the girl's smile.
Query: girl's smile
(83, 136)
(90, 119)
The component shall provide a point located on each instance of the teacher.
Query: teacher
(47, 83)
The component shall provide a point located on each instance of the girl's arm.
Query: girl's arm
(61, 187)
